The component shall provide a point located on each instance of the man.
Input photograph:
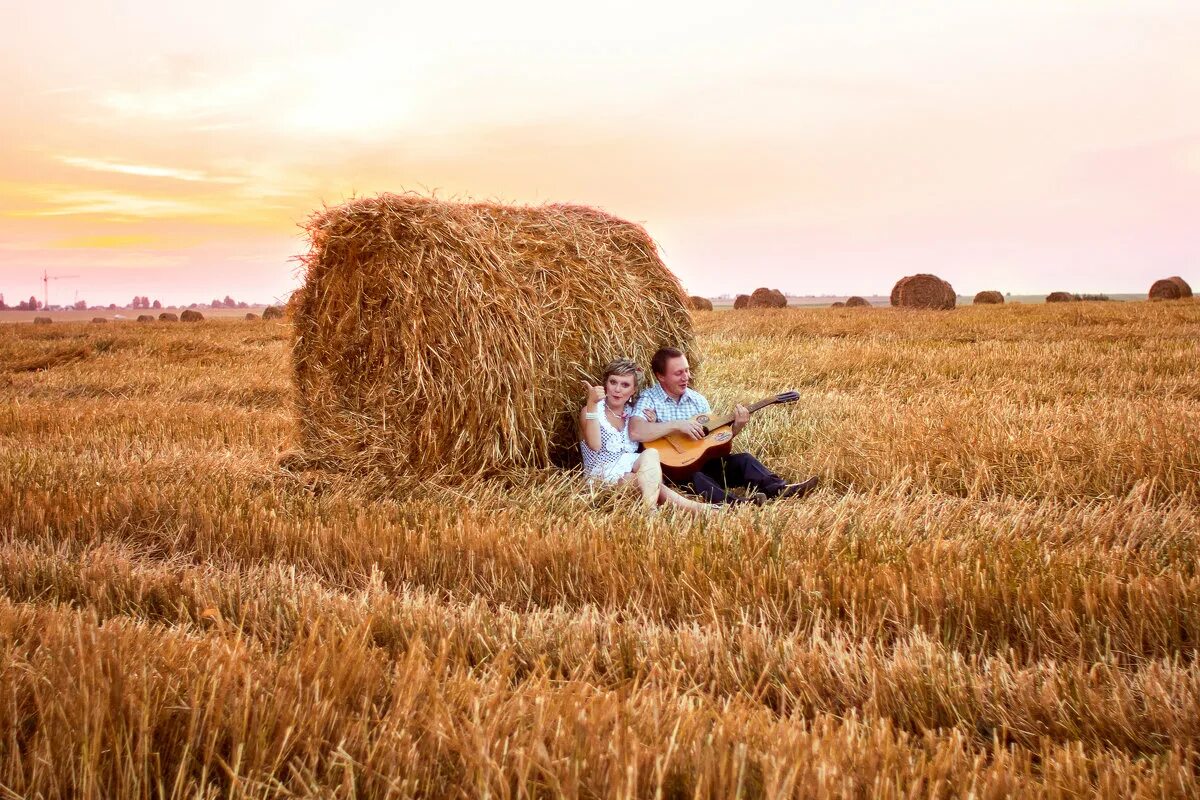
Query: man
(669, 406)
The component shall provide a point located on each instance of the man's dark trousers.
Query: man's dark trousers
(737, 470)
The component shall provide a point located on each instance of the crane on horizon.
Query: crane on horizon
(46, 278)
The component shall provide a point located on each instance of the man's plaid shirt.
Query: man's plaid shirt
(667, 410)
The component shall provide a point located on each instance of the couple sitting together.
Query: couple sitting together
(615, 419)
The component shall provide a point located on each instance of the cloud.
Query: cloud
(109, 242)
(115, 205)
(146, 170)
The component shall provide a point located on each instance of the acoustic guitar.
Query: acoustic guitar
(681, 455)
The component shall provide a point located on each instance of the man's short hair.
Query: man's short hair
(658, 363)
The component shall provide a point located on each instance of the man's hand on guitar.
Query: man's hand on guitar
(690, 428)
(741, 415)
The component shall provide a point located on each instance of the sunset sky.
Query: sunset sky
(172, 150)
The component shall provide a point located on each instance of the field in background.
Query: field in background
(995, 590)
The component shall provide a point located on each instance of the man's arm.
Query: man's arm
(642, 430)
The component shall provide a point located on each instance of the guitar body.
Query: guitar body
(681, 455)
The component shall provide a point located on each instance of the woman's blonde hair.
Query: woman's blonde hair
(625, 366)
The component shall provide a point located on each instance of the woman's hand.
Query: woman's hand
(594, 394)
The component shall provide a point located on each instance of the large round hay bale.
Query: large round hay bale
(1170, 289)
(145, 318)
(167, 316)
(447, 339)
(1060, 297)
(923, 291)
(698, 303)
(856, 302)
(272, 312)
(741, 301)
(99, 320)
(989, 298)
(191, 315)
(42, 321)
(767, 298)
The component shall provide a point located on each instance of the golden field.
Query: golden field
(995, 591)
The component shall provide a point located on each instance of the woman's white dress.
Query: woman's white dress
(616, 455)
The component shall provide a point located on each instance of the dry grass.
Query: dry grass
(995, 593)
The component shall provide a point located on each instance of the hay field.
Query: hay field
(995, 590)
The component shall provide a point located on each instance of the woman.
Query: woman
(608, 452)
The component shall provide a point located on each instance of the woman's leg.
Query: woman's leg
(648, 470)
(669, 495)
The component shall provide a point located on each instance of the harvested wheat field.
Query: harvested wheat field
(994, 592)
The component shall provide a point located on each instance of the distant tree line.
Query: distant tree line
(138, 302)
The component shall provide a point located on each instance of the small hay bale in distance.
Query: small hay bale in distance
(449, 339)
(839, 304)
(988, 298)
(767, 298)
(42, 320)
(191, 315)
(1173, 288)
(251, 316)
(145, 318)
(99, 320)
(698, 303)
(289, 308)
(167, 316)
(272, 312)
(857, 302)
(1060, 297)
(741, 301)
(923, 291)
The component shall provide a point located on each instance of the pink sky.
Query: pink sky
(172, 151)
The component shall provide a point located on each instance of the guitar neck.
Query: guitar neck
(727, 419)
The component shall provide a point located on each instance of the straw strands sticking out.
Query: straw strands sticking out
(448, 339)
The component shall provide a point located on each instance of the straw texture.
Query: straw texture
(741, 301)
(447, 339)
(272, 312)
(989, 298)
(698, 303)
